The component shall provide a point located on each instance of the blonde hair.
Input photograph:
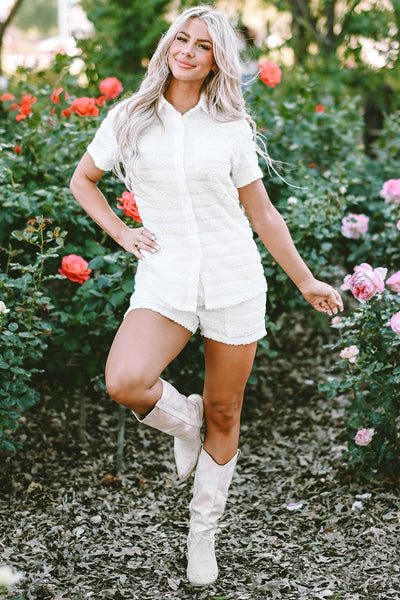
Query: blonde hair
(222, 90)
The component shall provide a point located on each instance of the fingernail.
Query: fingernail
(157, 247)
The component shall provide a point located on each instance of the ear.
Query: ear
(215, 69)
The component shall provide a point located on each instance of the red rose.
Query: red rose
(22, 115)
(129, 206)
(111, 87)
(101, 100)
(67, 111)
(75, 268)
(55, 96)
(25, 106)
(312, 165)
(7, 96)
(85, 107)
(320, 108)
(17, 150)
(270, 73)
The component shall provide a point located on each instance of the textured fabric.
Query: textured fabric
(185, 184)
(243, 323)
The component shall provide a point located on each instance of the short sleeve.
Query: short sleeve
(104, 143)
(245, 168)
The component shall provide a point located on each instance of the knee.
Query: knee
(224, 415)
(126, 388)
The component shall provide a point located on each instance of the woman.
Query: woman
(184, 144)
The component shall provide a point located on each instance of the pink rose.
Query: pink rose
(350, 353)
(398, 225)
(364, 436)
(391, 191)
(353, 226)
(395, 323)
(394, 282)
(75, 268)
(365, 282)
(129, 206)
(270, 73)
(111, 88)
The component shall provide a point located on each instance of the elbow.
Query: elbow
(73, 184)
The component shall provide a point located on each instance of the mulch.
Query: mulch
(297, 524)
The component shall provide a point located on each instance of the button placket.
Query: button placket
(182, 149)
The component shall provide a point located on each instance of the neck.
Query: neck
(183, 95)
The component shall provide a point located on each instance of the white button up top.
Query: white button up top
(186, 184)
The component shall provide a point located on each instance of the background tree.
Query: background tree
(4, 24)
(328, 28)
(125, 34)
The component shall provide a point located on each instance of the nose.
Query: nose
(188, 50)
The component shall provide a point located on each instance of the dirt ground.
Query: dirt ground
(297, 526)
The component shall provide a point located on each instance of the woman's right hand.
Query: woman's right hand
(138, 239)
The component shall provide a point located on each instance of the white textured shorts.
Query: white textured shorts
(239, 324)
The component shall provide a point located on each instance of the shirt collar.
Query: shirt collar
(163, 104)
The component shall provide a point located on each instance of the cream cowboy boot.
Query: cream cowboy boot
(210, 492)
(181, 417)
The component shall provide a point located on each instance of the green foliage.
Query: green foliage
(125, 35)
(25, 328)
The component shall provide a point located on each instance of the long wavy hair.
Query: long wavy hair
(221, 90)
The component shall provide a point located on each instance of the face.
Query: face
(191, 56)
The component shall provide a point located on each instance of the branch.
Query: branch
(347, 18)
(5, 24)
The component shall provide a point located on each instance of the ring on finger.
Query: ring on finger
(136, 244)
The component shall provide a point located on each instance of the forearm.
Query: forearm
(273, 232)
(275, 236)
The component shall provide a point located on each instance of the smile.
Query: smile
(183, 64)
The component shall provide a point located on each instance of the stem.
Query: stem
(82, 420)
(38, 279)
(121, 435)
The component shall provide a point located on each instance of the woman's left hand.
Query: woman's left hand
(322, 296)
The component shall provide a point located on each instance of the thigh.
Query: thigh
(145, 343)
(227, 369)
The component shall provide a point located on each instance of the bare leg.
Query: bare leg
(227, 371)
(144, 345)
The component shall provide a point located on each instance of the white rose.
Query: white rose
(3, 308)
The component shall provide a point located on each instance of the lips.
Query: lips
(183, 64)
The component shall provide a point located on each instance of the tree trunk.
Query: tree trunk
(5, 24)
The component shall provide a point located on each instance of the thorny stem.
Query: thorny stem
(38, 279)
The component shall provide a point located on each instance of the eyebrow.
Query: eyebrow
(198, 40)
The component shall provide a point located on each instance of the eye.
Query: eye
(205, 47)
(180, 38)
